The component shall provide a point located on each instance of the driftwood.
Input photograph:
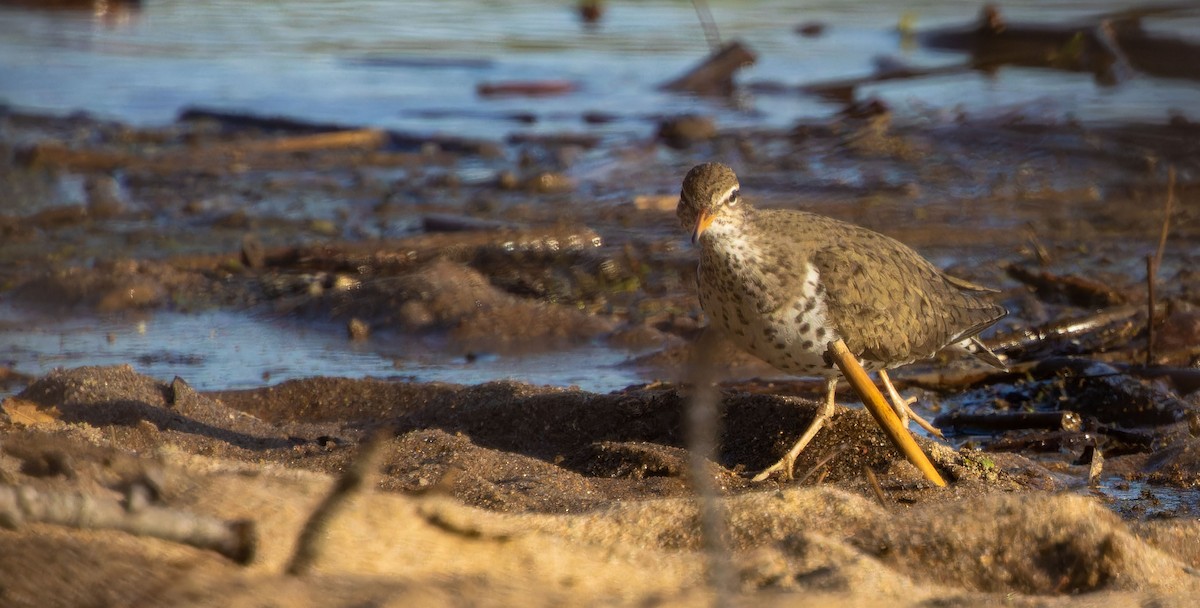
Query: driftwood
(958, 379)
(1107, 45)
(1072, 289)
(843, 90)
(1094, 388)
(526, 88)
(1067, 328)
(1037, 441)
(1186, 380)
(21, 504)
(397, 140)
(240, 121)
(714, 76)
(220, 153)
(992, 423)
(1025, 340)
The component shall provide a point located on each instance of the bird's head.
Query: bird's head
(710, 192)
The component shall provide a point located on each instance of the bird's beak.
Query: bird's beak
(702, 223)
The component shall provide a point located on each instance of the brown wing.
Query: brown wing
(892, 305)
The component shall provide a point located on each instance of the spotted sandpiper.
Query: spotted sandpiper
(784, 284)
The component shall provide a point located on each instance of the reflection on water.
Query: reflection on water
(328, 60)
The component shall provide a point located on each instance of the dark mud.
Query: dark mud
(472, 249)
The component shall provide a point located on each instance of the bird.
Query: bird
(784, 284)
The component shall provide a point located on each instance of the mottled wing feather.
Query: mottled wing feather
(858, 297)
(891, 305)
(966, 285)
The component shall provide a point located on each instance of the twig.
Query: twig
(23, 504)
(1152, 265)
(702, 431)
(884, 416)
(357, 475)
(953, 379)
(1075, 290)
(821, 463)
(1039, 251)
(1166, 225)
(1151, 270)
(1066, 328)
(873, 481)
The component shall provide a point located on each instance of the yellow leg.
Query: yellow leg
(788, 461)
(903, 409)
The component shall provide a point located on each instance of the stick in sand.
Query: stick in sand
(883, 414)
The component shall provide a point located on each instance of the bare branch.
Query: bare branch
(22, 504)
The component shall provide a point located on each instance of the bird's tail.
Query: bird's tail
(976, 347)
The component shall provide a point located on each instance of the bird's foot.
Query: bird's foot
(788, 462)
(925, 424)
(784, 465)
(903, 408)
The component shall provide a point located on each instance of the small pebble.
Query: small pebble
(683, 131)
(810, 29)
(254, 255)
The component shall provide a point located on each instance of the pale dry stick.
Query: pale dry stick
(22, 504)
(1166, 225)
(351, 138)
(881, 411)
(702, 422)
(1151, 270)
(1153, 264)
(358, 475)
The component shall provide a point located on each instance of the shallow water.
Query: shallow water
(219, 350)
(416, 65)
(1146, 501)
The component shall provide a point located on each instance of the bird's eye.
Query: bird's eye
(733, 197)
